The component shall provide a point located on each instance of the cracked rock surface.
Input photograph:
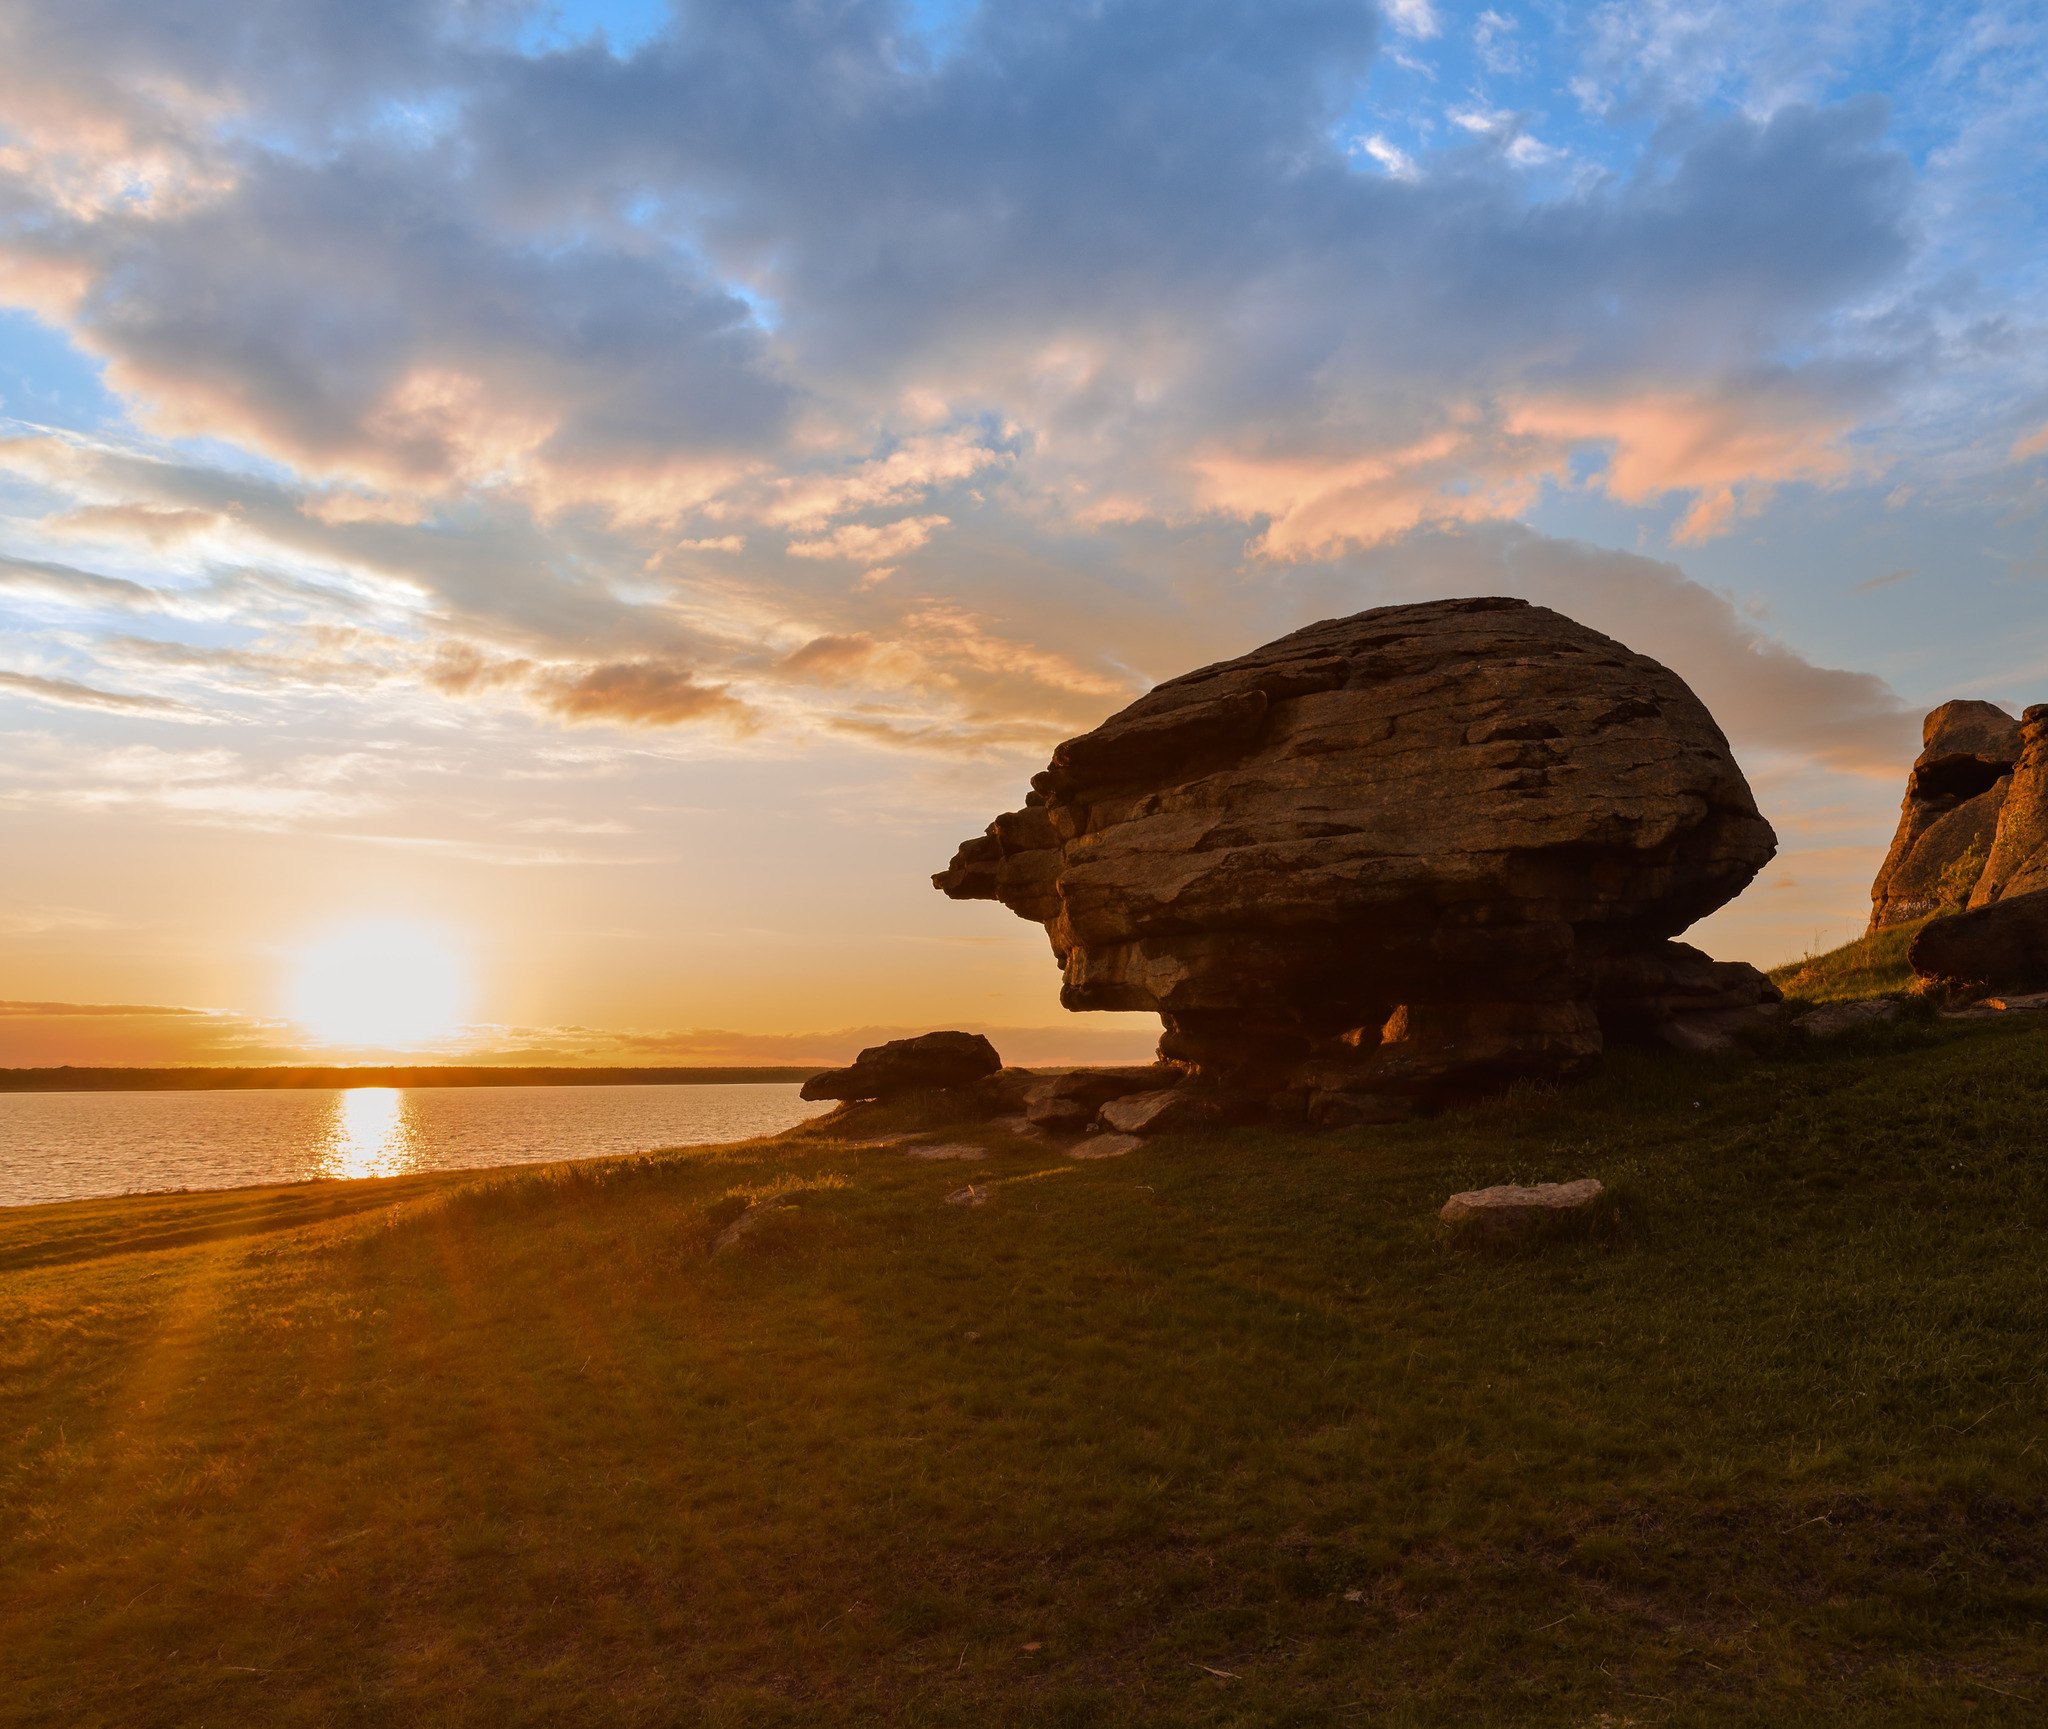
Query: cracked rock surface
(1412, 853)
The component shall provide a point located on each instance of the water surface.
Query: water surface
(68, 1146)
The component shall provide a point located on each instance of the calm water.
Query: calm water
(66, 1146)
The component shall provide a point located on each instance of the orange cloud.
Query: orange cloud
(636, 693)
(871, 545)
(1728, 448)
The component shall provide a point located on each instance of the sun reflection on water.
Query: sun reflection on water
(371, 1135)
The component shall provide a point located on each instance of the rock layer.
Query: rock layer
(1955, 796)
(1413, 852)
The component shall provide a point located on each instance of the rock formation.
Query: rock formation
(2004, 942)
(1950, 817)
(1391, 859)
(927, 1063)
(2018, 862)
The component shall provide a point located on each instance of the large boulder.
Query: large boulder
(931, 1062)
(1949, 820)
(2004, 942)
(1414, 852)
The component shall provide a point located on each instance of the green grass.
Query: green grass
(1871, 966)
(1222, 1432)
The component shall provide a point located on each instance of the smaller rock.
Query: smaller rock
(1105, 1146)
(974, 1195)
(1507, 1208)
(1992, 1007)
(947, 1150)
(2004, 943)
(1833, 1018)
(1159, 1113)
(1357, 1110)
(1720, 1031)
(753, 1216)
(929, 1063)
(1019, 1126)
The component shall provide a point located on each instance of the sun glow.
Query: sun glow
(387, 985)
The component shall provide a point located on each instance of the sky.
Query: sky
(582, 507)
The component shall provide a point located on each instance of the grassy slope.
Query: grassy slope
(1871, 966)
(1767, 1446)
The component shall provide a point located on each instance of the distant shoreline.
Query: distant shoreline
(198, 1080)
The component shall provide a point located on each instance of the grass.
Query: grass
(1222, 1432)
(1871, 966)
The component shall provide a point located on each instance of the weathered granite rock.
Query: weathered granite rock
(1161, 1112)
(2003, 943)
(1832, 1018)
(1954, 796)
(1068, 1103)
(2018, 864)
(1509, 1209)
(946, 1150)
(1417, 852)
(929, 1062)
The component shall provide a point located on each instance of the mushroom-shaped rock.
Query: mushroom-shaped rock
(1954, 797)
(1412, 852)
(927, 1063)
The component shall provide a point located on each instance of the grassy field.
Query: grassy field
(1222, 1432)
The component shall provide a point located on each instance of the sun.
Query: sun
(390, 984)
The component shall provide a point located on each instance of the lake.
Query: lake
(69, 1146)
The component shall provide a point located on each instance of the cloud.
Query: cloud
(66, 693)
(870, 544)
(636, 693)
(1415, 19)
(1396, 161)
(1767, 697)
(64, 586)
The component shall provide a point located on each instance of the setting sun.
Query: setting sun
(390, 985)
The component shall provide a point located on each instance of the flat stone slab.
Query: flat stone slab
(1993, 1006)
(1105, 1146)
(974, 1195)
(1509, 1207)
(753, 1216)
(946, 1150)
(1833, 1018)
(1020, 1125)
(1717, 1031)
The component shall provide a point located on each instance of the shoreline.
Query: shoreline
(68, 1079)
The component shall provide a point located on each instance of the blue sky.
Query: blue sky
(482, 463)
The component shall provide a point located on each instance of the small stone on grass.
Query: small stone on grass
(1105, 1146)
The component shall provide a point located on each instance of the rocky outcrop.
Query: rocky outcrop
(1949, 822)
(2018, 861)
(2002, 943)
(1404, 855)
(925, 1064)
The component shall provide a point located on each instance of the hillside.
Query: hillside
(1223, 1432)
